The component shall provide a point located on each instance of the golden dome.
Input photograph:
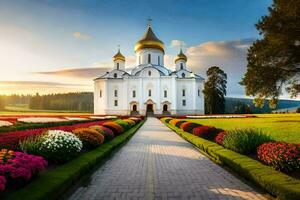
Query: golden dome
(149, 40)
(180, 56)
(119, 56)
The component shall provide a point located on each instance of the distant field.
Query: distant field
(282, 127)
(23, 109)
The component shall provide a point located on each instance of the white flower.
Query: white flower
(5, 123)
(41, 119)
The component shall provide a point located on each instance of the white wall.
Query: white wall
(142, 57)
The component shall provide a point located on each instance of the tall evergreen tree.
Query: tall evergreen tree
(215, 91)
(274, 60)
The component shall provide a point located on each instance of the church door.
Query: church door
(165, 108)
(149, 110)
(134, 108)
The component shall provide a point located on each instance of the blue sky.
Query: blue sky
(42, 39)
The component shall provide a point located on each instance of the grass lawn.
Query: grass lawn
(282, 127)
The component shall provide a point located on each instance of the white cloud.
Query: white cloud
(81, 36)
(177, 43)
(230, 56)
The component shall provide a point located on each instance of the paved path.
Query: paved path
(158, 164)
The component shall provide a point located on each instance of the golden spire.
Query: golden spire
(181, 55)
(149, 40)
(118, 55)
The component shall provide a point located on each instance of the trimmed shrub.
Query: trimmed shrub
(166, 119)
(129, 121)
(206, 132)
(220, 137)
(116, 128)
(282, 156)
(189, 126)
(122, 123)
(174, 121)
(178, 124)
(244, 141)
(90, 138)
(106, 132)
(60, 146)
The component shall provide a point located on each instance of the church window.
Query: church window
(165, 93)
(198, 93)
(181, 65)
(118, 66)
(158, 60)
(149, 73)
(133, 93)
(116, 93)
(183, 92)
(184, 102)
(149, 58)
(115, 75)
(116, 102)
(183, 75)
(149, 93)
(100, 93)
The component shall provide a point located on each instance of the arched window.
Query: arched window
(181, 65)
(115, 75)
(183, 92)
(116, 93)
(149, 93)
(100, 94)
(149, 73)
(158, 61)
(149, 58)
(165, 93)
(133, 94)
(118, 66)
(183, 75)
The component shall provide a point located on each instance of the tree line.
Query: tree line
(81, 101)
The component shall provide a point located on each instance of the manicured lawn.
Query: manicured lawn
(282, 127)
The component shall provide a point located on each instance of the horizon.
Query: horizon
(61, 46)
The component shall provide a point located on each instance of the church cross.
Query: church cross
(149, 21)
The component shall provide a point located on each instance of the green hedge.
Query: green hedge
(54, 182)
(276, 183)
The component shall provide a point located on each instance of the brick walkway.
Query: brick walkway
(158, 164)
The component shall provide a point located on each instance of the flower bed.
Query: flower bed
(5, 123)
(282, 156)
(17, 168)
(116, 128)
(11, 139)
(57, 145)
(41, 120)
(90, 138)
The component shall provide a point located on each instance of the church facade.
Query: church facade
(150, 87)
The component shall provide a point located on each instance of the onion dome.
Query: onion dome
(119, 56)
(180, 56)
(149, 40)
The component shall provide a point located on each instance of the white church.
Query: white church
(150, 88)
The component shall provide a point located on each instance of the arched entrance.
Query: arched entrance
(149, 109)
(134, 108)
(165, 108)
